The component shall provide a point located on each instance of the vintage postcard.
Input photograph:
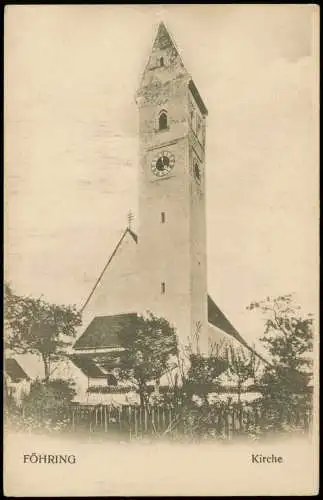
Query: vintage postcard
(161, 250)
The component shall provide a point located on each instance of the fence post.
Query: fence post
(140, 421)
(226, 423)
(229, 423)
(146, 422)
(105, 419)
(233, 422)
(120, 418)
(129, 409)
(153, 409)
(136, 423)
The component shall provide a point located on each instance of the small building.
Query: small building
(16, 381)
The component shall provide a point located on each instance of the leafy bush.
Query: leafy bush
(47, 404)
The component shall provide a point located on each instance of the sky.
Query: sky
(71, 144)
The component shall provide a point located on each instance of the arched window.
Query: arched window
(163, 120)
(161, 61)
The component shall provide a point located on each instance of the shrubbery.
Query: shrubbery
(45, 407)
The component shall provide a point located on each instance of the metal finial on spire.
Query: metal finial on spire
(130, 219)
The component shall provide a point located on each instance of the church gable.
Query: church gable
(115, 290)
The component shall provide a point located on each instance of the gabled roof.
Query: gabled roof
(14, 370)
(103, 331)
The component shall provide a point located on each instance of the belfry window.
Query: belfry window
(162, 120)
(161, 61)
(163, 287)
(163, 217)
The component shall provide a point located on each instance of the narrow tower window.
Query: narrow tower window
(163, 287)
(163, 120)
(161, 60)
(192, 119)
(163, 217)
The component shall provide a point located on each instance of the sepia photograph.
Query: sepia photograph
(161, 250)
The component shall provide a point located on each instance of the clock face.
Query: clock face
(197, 172)
(163, 164)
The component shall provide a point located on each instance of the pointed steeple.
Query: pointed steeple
(165, 68)
(164, 63)
(163, 38)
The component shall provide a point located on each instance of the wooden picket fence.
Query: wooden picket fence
(130, 421)
(133, 422)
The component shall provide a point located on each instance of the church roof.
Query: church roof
(103, 331)
(218, 319)
(14, 370)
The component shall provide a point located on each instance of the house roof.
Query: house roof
(103, 331)
(14, 370)
(88, 366)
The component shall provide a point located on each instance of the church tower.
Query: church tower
(172, 225)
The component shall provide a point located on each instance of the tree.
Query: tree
(288, 338)
(38, 327)
(242, 365)
(203, 372)
(150, 344)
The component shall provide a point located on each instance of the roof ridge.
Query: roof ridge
(135, 237)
